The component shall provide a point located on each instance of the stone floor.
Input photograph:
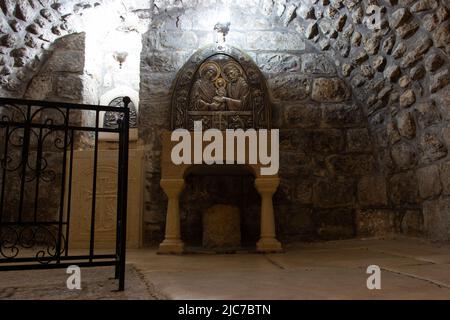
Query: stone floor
(411, 269)
(96, 284)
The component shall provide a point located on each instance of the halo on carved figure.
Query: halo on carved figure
(220, 83)
(244, 103)
(229, 66)
(210, 65)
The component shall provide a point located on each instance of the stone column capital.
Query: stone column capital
(267, 185)
(172, 187)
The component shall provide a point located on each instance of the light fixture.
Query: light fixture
(222, 28)
(120, 57)
(222, 24)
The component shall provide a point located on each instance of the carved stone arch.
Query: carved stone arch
(246, 101)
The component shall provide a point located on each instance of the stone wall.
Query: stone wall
(397, 77)
(61, 78)
(326, 154)
(27, 29)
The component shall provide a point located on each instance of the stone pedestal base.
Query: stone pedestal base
(172, 182)
(106, 200)
(171, 247)
(269, 246)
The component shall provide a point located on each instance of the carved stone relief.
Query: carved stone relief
(223, 88)
(110, 119)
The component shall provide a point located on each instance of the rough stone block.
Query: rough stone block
(427, 114)
(445, 177)
(179, 39)
(303, 115)
(303, 191)
(412, 223)
(421, 47)
(65, 61)
(432, 147)
(406, 125)
(163, 61)
(317, 64)
(358, 140)
(351, 165)
(326, 141)
(404, 188)
(403, 155)
(24, 11)
(446, 136)
(69, 87)
(342, 115)
(295, 140)
(278, 62)
(439, 80)
(377, 222)
(441, 35)
(39, 88)
(392, 73)
(299, 221)
(407, 98)
(372, 191)
(334, 224)
(424, 5)
(295, 164)
(275, 41)
(75, 42)
(408, 29)
(334, 192)
(399, 17)
(433, 62)
(157, 86)
(443, 102)
(330, 90)
(437, 219)
(429, 182)
(290, 87)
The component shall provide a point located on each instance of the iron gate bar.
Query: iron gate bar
(4, 173)
(69, 198)
(70, 258)
(25, 149)
(38, 174)
(94, 190)
(63, 186)
(59, 266)
(123, 172)
(59, 127)
(61, 227)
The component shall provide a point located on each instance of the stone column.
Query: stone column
(172, 242)
(268, 242)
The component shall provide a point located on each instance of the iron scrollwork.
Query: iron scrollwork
(37, 147)
(29, 136)
(44, 237)
(112, 118)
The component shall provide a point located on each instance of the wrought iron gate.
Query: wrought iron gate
(37, 144)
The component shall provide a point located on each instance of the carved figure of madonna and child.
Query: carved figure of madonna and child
(220, 87)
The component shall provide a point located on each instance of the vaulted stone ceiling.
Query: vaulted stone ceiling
(29, 27)
(379, 63)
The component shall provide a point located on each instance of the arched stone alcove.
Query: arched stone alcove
(247, 104)
(220, 88)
